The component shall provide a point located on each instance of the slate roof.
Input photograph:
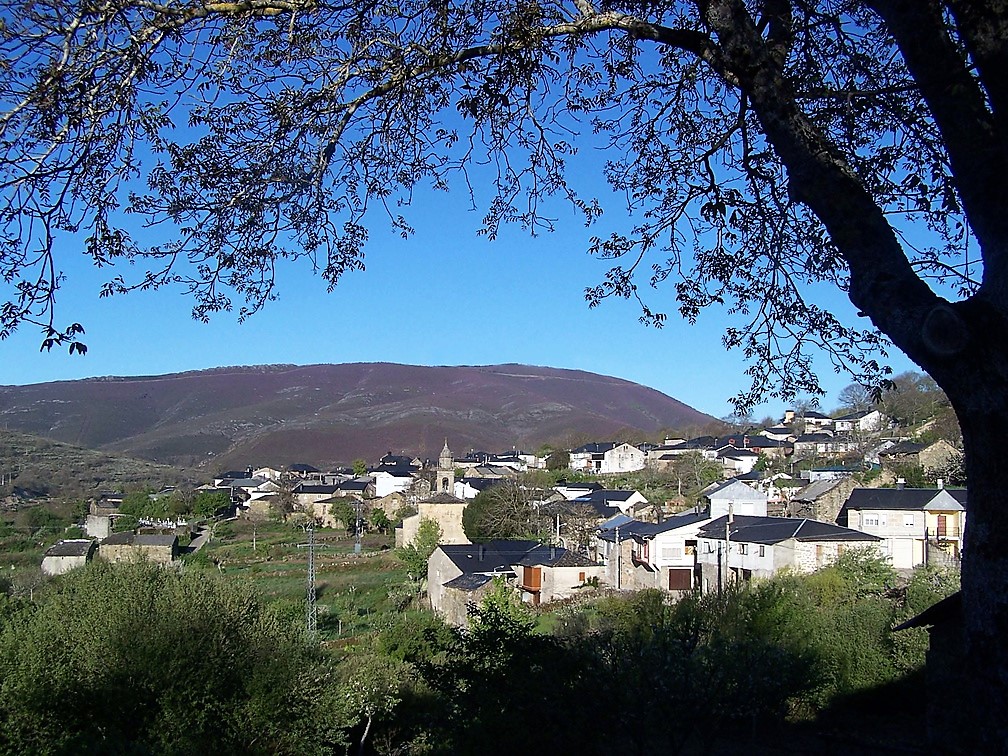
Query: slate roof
(737, 452)
(303, 469)
(396, 471)
(155, 539)
(396, 460)
(903, 447)
(119, 539)
(813, 491)
(353, 485)
(73, 547)
(492, 557)
(595, 448)
(443, 497)
(771, 530)
(555, 556)
(605, 500)
(243, 482)
(815, 438)
(641, 531)
(902, 498)
(315, 488)
(469, 582)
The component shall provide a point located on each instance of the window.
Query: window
(908, 520)
(743, 548)
(581, 576)
(873, 518)
(762, 550)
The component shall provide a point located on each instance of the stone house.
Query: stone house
(910, 453)
(550, 573)
(822, 499)
(68, 554)
(131, 547)
(460, 574)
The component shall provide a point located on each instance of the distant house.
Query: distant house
(305, 472)
(606, 501)
(607, 458)
(736, 461)
(816, 422)
(391, 478)
(745, 548)
(821, 442)
(863, 421)
(67, 555)
(307, 494)
(911, 453)
(130, 547)
(733, 496)
(916, 525)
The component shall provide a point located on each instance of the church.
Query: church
(442, 506)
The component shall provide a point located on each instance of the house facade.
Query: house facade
(639, 555)
(916, 525)
(731, 548)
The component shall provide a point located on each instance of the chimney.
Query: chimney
(481, 549)
(552, 552)
(941, 483)
(900, 483)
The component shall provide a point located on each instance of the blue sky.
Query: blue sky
(443, 297)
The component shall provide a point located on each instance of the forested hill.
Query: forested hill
(323, 414)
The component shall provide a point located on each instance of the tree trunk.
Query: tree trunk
(982, 693)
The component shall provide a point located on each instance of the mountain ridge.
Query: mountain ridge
(331, 413)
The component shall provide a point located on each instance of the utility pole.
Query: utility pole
(311, 614)
(357, 526)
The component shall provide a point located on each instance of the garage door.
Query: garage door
(680, 579)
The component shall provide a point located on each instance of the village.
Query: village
(792, 496)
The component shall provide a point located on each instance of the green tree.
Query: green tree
(505, 510)
(767, 151)
(379, 520)
(128, 658)
(414, 555)
(207, 503)
(558, 460)
(359, 467)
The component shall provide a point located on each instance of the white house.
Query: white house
(391, 479)
(734, 496)
(865, 421)
(607, 458)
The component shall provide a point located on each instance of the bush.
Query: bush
(138, 659)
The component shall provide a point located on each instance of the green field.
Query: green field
(356, 593)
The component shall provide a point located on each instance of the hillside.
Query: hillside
(39, 466)
(323, 414)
